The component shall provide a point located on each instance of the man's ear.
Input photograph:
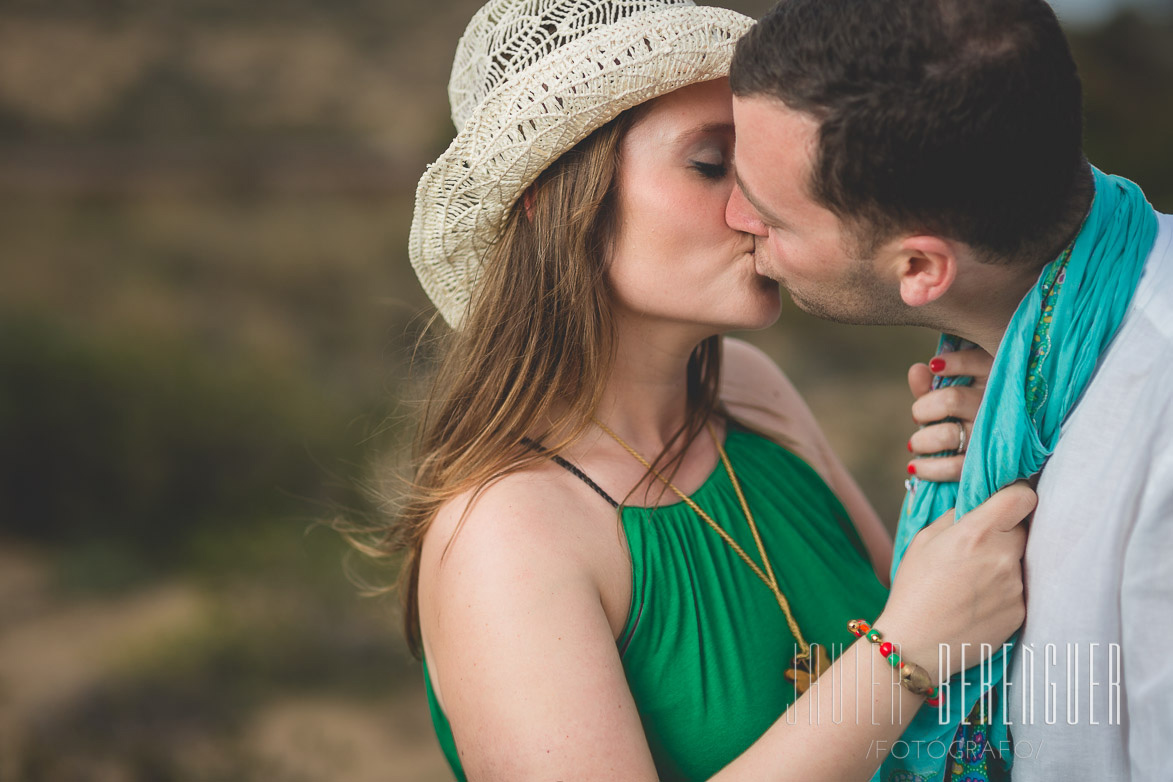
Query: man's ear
(927, 268)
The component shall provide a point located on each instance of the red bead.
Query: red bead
(885, 648)
(934, 701)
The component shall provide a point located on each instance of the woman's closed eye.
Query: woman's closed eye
(710, 170)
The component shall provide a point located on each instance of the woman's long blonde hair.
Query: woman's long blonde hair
(534, 352)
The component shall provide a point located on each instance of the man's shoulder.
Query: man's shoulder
(1130, 390)
(1154, 295)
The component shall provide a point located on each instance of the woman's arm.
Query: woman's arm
(521, 650)
(922, 614)
(533, 686)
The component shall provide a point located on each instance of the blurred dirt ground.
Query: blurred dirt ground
(101, 688)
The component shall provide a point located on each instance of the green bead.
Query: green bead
(874, 636)
(894, 660)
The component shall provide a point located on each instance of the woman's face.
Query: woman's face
(675, 259)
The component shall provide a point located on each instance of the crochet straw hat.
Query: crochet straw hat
(530, 80)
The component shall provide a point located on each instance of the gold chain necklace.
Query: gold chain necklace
(803, 670)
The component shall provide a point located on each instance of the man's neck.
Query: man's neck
(982, 303)
(983, 307)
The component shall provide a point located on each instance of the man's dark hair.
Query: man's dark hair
(961, 118)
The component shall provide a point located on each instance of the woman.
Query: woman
(630, 548)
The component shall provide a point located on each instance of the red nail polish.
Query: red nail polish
(936, 365)
(912, 469)
(910, 446)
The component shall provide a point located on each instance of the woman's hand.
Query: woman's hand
(960, 584)
(931, 406)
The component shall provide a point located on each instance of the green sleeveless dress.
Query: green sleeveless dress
(706, 645)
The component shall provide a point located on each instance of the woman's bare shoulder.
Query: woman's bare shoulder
(504, 526)
(751, 379)
(512, 616)
(758, 393)
(503, 549)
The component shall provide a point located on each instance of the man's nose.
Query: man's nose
(740, 215)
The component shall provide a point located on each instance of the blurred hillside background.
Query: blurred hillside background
(206, 329)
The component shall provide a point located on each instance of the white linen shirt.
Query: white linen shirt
(1098, 567)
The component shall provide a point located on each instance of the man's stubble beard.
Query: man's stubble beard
(860, 299)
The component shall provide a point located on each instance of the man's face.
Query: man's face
(799, 243)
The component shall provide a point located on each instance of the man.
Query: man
(919, 162)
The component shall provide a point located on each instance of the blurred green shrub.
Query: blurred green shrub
(1127, 71)
(143, 441)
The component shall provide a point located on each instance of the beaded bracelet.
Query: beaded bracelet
(912, 676)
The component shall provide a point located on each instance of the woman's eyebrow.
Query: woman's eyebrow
(705, 129)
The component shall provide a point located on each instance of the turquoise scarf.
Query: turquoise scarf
(1045, 361)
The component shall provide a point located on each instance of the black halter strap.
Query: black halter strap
(573, 471)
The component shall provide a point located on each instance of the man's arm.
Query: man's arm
(1146, 606)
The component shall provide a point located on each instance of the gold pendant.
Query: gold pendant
(804, 670)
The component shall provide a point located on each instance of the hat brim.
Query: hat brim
(527, 123)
